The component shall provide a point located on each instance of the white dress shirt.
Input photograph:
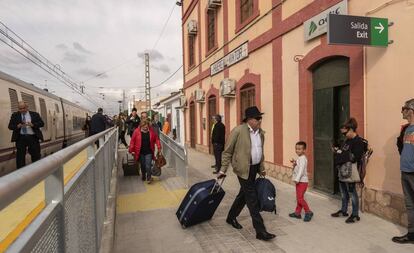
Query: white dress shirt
(26, 119)
(300, 173)
(257, 149)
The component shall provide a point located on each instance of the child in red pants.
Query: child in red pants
(300, 177)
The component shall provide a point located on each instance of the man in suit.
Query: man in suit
(217, 139)
(244, 150)
(26, 126)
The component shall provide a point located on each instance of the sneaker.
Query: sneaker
(308, 216)
(339, 214)
(295, 215)
(352, 219)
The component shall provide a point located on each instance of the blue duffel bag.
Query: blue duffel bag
(266, 194)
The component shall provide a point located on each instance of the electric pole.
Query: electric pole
(147, 83)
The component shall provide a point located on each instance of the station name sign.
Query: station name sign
(231, 58)
(318, 25)
(357, 30)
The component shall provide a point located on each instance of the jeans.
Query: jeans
(146, 162)
(248, 196)
(349, 190)
(407, 180)
(300, 198)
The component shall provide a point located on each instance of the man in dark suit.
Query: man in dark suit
(26, 126)
(98, 124)
(217, 139)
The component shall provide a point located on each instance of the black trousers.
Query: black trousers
(218, 150)
(248, 196)
(407, 180)
(122, 138)
(31, 143)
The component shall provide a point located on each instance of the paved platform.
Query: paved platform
(143, 226)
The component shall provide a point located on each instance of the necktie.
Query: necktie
(24, 130)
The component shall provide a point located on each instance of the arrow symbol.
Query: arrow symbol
(380, 28)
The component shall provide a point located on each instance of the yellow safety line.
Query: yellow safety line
(12, 236)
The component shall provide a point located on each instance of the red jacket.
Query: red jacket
(135, 144)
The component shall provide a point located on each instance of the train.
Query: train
(63, 119)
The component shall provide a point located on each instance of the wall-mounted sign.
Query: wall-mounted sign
(318, 24)
(231, 58)
(357, 30)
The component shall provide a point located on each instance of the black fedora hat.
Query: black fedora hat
(252, 112)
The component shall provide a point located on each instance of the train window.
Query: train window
(29, 99)
(14, 101)
(57, 108)
(43, 112)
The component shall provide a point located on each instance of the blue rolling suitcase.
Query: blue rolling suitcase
(200, 203)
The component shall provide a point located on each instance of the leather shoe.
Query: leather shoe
(403, 239)
(265, 236)
(234, 223)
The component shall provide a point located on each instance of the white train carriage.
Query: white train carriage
(63, 119)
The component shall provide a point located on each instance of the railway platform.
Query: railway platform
(144, 227)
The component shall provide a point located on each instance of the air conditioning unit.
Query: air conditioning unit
(192, 27)
(228, 88)
(214, 4)
(199, 96)
(183, 101)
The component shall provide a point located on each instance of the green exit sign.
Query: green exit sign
(357, 30)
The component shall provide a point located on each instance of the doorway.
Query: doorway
(212, 110)
(192, 125)
(331, 109)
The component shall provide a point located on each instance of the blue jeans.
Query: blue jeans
(349, 190)
(146, 162)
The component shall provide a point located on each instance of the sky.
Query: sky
(89, 37)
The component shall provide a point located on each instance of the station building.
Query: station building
(274, 54)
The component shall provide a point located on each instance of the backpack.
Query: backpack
(362, 169)
(266, 194)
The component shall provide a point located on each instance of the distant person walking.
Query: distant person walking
(98, 124)
(407, 170)
(26, 126)
(166, 129)
(244, 150)
(156, 124)
(122, 127)
(87, 126)
(142, 145)
(133, 121)
(218, 140)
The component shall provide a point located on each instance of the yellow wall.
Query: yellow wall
(292, 44)
(291, 7)
(390, 82)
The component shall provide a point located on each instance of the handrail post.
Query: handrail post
(54, 193)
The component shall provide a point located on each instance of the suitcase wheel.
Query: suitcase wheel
(183, 226)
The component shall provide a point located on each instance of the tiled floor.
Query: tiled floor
(158, 230)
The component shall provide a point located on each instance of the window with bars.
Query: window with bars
(247, 98)
(29, 99)
(211, 29)
(246, 9)
(43, 112)
(14, 100)
(191, 50)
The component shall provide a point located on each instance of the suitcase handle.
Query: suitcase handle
(217, 184)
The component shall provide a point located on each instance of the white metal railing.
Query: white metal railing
(176, 156)
(73, 217)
